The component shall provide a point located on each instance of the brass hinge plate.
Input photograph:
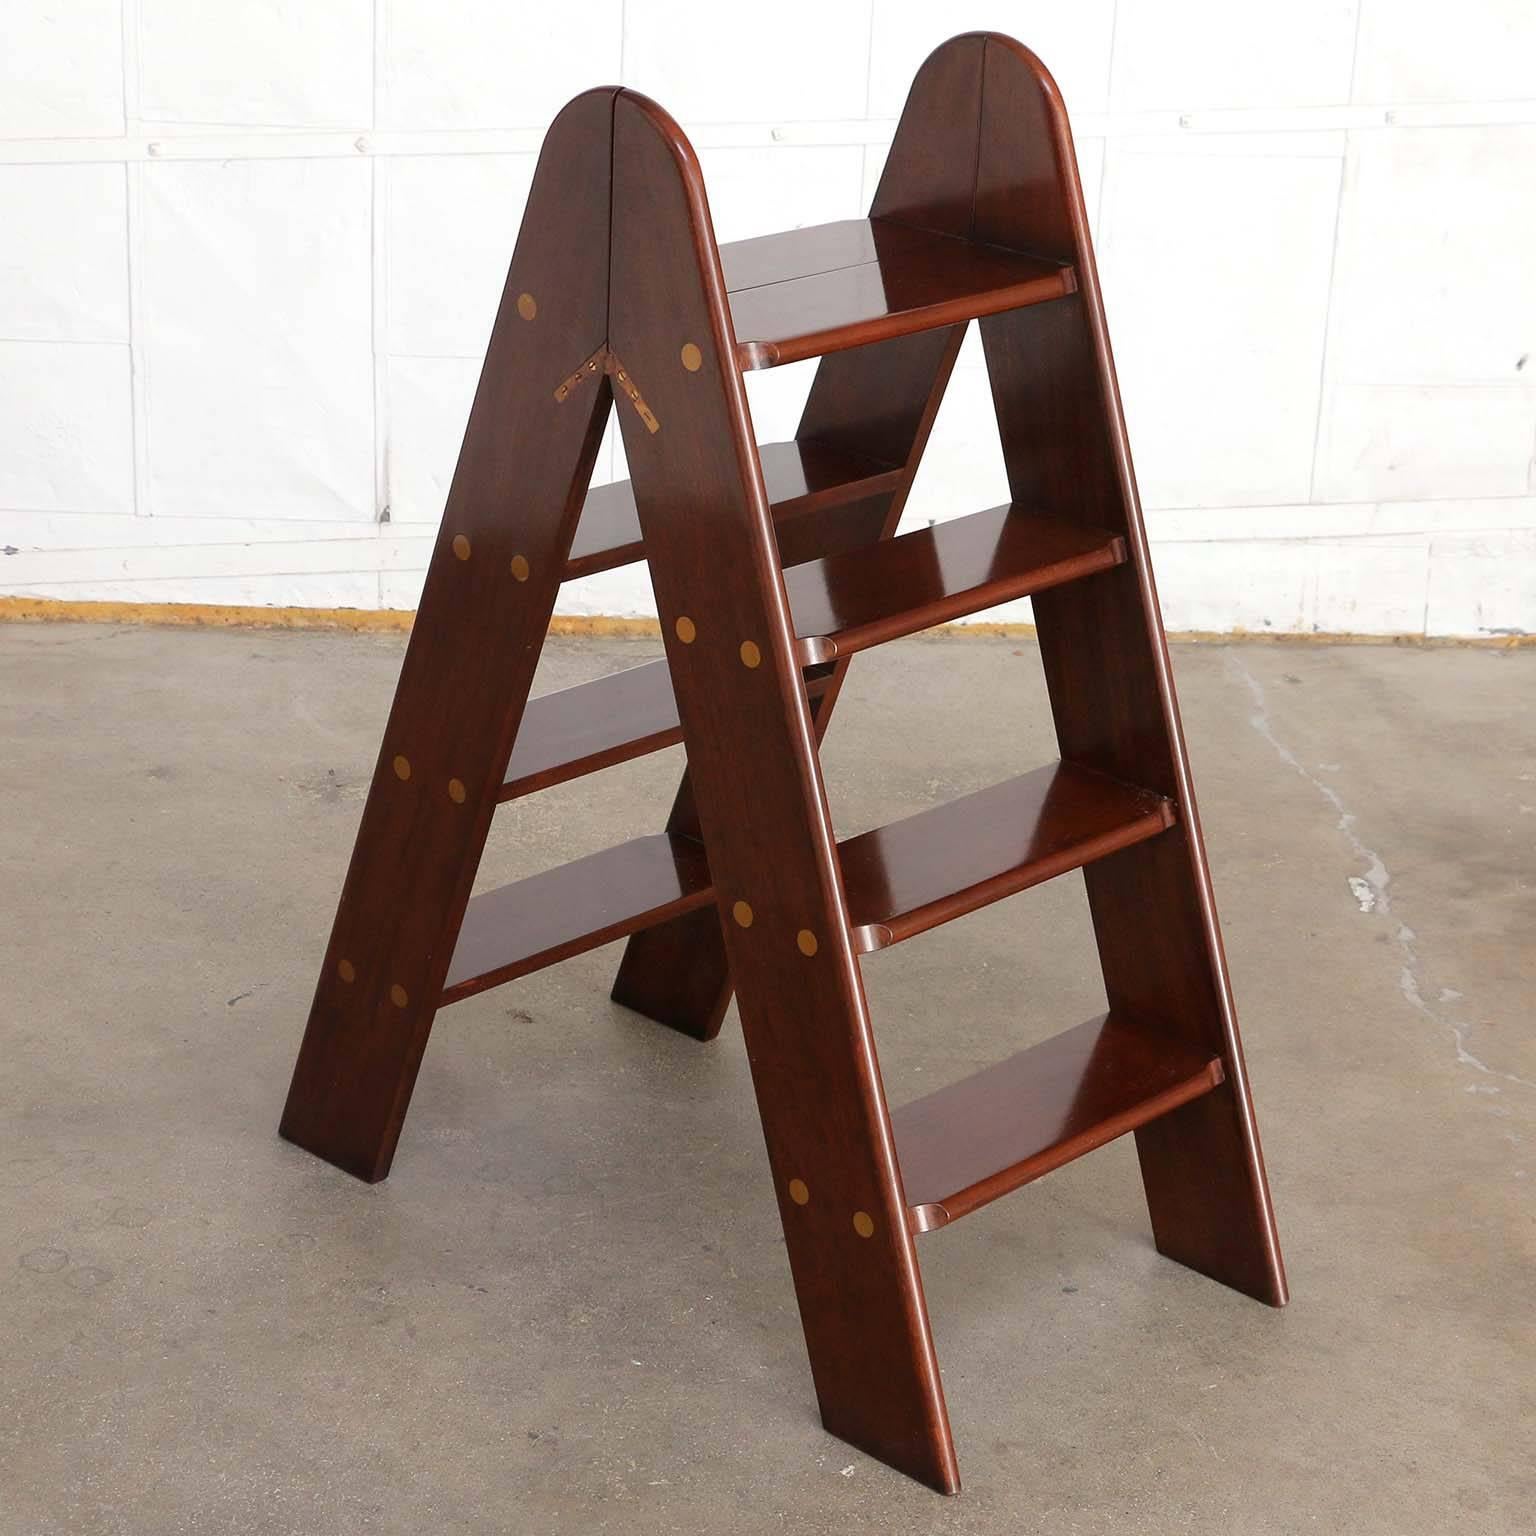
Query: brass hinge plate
(604, 361)
(593, 366)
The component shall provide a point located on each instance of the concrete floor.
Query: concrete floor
(568, 1310)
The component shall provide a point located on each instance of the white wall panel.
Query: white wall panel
(336, 586)
(1412, 442)
(1247, 580)
(1215, 270)
(37, 534)
(491, 63)
(1179, 55)
(255, 284)
(794, 60)
(68, 422)
(449, 225)
(777, 396)
(61, 68)
(1072, 40)
(1424, 50)
(258, 63)
(963, 469)
(1430, 388)
(1482, 584)
(64, 252)
(220, 362)
(757, 191)
(427, 400)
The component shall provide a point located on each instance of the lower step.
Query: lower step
(899, 880)
(597, 724)
(550, 917)
(800, 478)
(965, 1145)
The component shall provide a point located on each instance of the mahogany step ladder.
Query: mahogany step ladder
(771, 566)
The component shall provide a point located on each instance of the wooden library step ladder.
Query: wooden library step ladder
(771, 566)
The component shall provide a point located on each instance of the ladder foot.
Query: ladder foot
(1207, 1197)
(930, 1461)
(676, 974)
(342, 1138)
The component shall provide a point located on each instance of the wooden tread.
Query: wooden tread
(900, 880)
(912, 875)
(807, 292)
(863, 597)
(546, 918)
(963, 1146)
(841, 604)
(597, 724)
(802, 477)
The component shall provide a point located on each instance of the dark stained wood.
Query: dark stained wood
(808, 292)
(617, 284)
(929, 177)
(878, 402)
(965, 1145)
(520, 928)
(801, 478)
(899, 880)
(762, 809)
(595, 725)
(1111, 686)
(516, 495)
(842, 604)
(591, 726)
(861, 598)
(931, 868)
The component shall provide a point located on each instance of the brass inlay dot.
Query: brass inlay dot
(456, 791)
(805, 942)
(398, 996)
(863, 1224)
(460, 547)
(686, 630)
(750, 655)
(527, 306)
(402, 767)
(346, 970)
(742, 913)
(519, 568)
(693, 360)
(798, 1192)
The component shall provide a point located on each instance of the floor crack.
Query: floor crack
(1372, 888)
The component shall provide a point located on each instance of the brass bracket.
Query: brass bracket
(604, 361)
(627, 384)
(594, 365)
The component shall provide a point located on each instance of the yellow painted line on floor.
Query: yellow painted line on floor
(37, 610)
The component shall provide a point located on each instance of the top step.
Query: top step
(807, 292)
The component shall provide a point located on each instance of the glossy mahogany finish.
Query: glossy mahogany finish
(515, 497)
(978, 214)
(965, 1145)
(878, 401)
(900, 880)
(591, 726)
(1111, 685)
(861, 598)
(536, 922)
(912, 875)
(801, 477)
(811, 291)
(761, 808)
(842, 604)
